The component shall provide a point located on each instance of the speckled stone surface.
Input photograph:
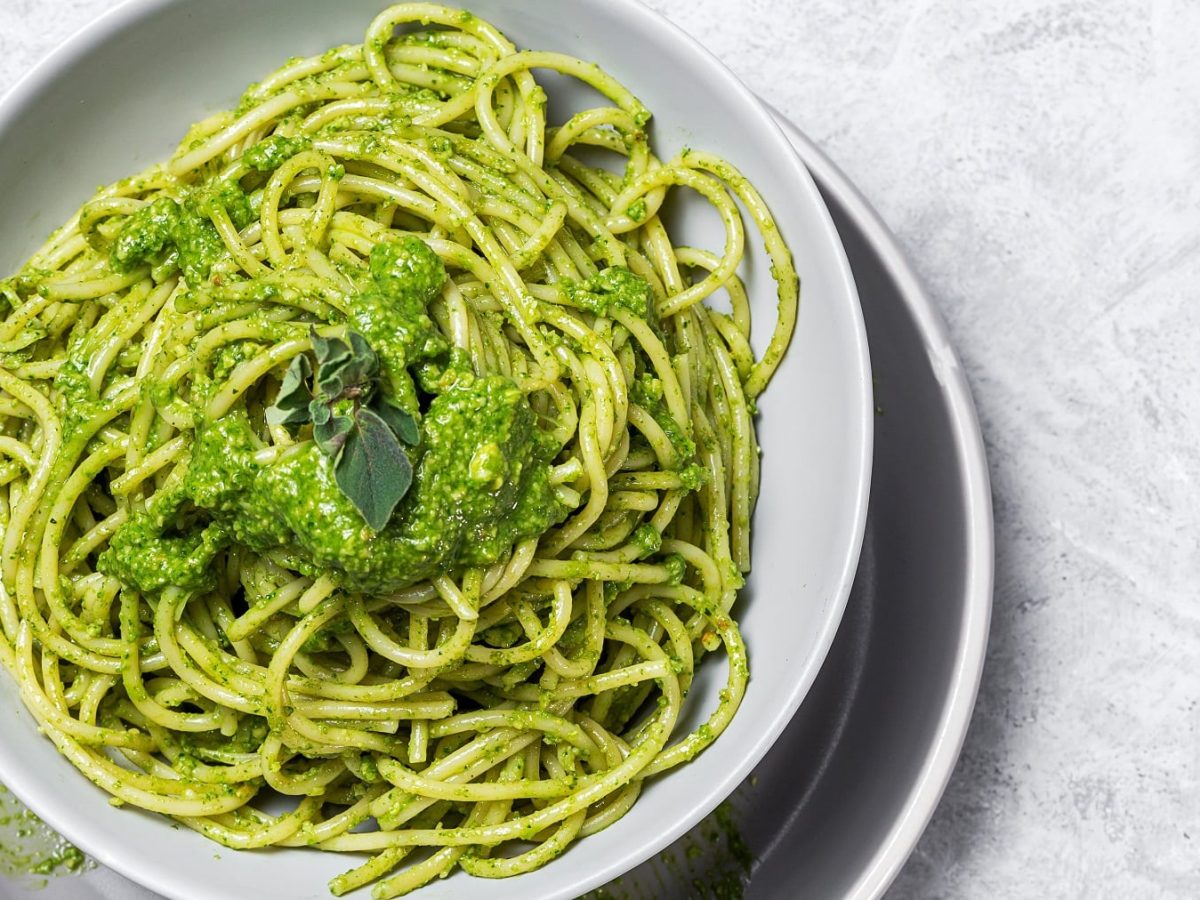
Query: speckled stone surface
(1038, 160)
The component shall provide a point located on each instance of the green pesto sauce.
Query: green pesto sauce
(481, 484)
(647, 539)
(481, 472)
(647, 392)
(28, 847)
(77, 400)
(268, 155)
(179, 233)
(391, 312)
(144, 553)
(228, 357)
(615, 286)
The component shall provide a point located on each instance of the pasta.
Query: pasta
(197, 603)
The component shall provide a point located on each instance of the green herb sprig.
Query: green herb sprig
(353, 423)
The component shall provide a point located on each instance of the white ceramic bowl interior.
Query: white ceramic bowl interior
(120, 95)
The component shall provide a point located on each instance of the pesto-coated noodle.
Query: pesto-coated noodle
(195, 611)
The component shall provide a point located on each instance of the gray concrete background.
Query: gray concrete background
(1039, 161)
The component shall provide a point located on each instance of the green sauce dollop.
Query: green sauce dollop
(270, 154)
(391, 312)
(482, 483)
(481, 471)
(615, 286)
(181, 232)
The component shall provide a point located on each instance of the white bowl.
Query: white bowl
(121, 94)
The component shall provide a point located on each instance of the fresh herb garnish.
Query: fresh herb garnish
(354, 424)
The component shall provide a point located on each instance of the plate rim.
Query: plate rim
(970, 657)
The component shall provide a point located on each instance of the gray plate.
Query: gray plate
(838, 804)
(844, 795)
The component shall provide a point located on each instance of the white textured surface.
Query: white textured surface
(1039, 162)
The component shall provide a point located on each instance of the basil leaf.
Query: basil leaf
(330, 351)
(372, 470)
(332, 434)
(361, 350)
(292, 406)
(344, 367)
(319, 412)
(403, 425)
(333, 356)
(362, 368)
(369, 463)
(330, 383)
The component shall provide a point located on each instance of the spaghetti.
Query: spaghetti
(180, 614)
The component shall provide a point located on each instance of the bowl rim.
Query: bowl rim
(127, 13)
